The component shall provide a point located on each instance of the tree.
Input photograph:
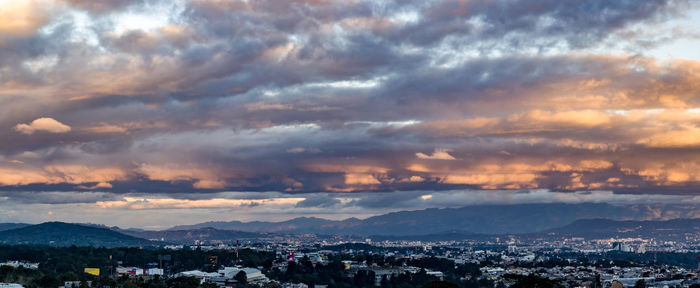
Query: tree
(533, 281)
(384, 282)
(208, 285)
(640, 284)
(271, 285)
(241, 278)
(440, 284)
(364, 278)
(183, 282)
(49, 281)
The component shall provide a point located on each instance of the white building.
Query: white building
(73, 284)
(252, 275)
(201, 275)
(24, 264)
(154, 271)
(437, 274)
(291, 285)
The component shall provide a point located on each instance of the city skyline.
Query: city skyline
(159, 113)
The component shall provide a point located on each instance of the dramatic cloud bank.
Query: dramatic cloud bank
(182, 100)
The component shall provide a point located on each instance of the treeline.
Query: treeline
(59, 260)
(60, 264)
(530, 281)
(36, 279)
(334, 274)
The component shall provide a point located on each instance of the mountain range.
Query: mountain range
(473, 222)
(190, 235)
(479, 219)
(673, 229)
(66, 234)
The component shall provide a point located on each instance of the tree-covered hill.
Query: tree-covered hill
(66, 234)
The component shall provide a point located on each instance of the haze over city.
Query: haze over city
(151, 114)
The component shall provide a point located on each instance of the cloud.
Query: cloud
(688, 136)
(53, 197)
(166, 203)
(22, 18)
(102, 6)
(305, 97)
(438, 154)
(318, 201)
(43, 124)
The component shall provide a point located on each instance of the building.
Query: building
(225, 276)
(437, 274)
(73, 284)
(201, 275)
(252, 275)
(135, 271)
(23, 264)
(154, 271)
(291, 285)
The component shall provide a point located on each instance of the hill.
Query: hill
(67, 234)
(301, 224)
(8, 226)
(188, 236)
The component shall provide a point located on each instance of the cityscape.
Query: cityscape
(585, 253)
(349, 143)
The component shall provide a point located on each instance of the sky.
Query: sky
(156, 113)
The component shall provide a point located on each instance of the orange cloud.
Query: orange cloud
(22, 17)
(43, 124)
(347, 168)
(438, 154)
(685, 136)
(205, 179)
(57, 174)
(169, 203)
(106, 128)
(361, 179)
(581, 118)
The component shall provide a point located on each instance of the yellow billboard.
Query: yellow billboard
(93, 271)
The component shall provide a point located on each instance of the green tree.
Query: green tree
(533, 281)
(271, 285)
(241, 278)
(440, 284)
(597, 283)
(183, 282)
(48, 281)
(208, 285)
(640, 284)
